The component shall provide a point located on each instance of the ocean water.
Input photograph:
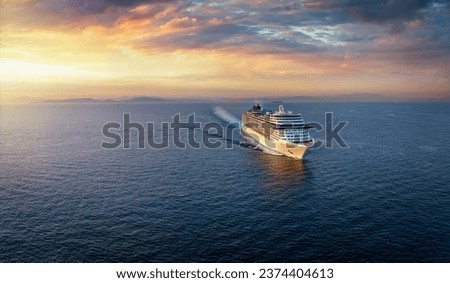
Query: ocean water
(385, 198)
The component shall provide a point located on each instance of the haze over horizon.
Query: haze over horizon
(60, 49)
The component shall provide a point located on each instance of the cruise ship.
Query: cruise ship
(279, 132)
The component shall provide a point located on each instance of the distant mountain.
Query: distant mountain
(11, 99)
(140, 99)
(354, 97)
(145, 99)
(363, 97)
(74, 100)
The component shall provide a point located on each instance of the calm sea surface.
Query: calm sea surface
(63, 198)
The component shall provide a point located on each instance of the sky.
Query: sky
(57, 49)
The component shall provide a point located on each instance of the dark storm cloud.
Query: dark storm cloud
(392, 15)
(75, 13)
(392, 10)
(231, 35)
(377, 11)
(99, 6)
(331, 26)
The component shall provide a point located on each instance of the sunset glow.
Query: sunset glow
(112, 49)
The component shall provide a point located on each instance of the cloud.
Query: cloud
(179, 23)
(392, 10)
(96, 6)
(73, 14)
(237, 37)
(363, 36)
(376, 11)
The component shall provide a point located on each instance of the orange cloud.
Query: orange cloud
(115, 48)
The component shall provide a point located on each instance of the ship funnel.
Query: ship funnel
(281, 109)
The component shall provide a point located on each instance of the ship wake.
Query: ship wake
(226, 116)
(245, 141)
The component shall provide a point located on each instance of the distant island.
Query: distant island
(354, 97)
(138, 99)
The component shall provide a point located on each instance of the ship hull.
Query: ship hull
(286, 148)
